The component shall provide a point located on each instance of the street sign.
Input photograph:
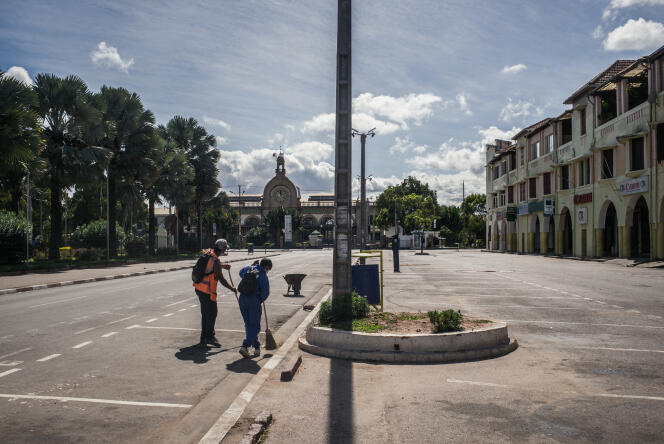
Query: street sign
(214, 228)
(510, 214)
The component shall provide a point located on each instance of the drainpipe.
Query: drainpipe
(652, 116)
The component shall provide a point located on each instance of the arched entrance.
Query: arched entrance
(488, 238)
(503, 237)
(537, 235)
(610, 240)
(550, 238)
(640, 235)
(568, 235)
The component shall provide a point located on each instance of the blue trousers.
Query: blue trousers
(250, 307)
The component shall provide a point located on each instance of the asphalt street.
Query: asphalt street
(116, 361)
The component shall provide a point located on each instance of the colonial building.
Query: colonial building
(317, 210)
(590, 182)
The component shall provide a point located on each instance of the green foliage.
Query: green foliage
(444, 321)
(12, 237)
(337, 310)
(93, 235)
(257, 235)
(474, 205)
(415, 202)
(166, 251)
(89, 254)
(135, 246)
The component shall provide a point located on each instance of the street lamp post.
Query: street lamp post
(363, 186)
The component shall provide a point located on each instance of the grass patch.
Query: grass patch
(366, 325)
(411, 316)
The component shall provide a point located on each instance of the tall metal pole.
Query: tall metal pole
(239, 219)
(28, 219)
(108, 236)
(363, 187)
(341, 274)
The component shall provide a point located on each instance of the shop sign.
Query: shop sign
(583, 198)
(533, 207)
(511, 213)
(634, 186)
(548, 207)
(523, 209)
(581, 215)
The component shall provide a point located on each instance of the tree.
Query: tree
(415, 203)
(219, 211)
(20, 136)
(274, 220)
(474, 205)
(473, 209)
(127, 130)
(65, 105)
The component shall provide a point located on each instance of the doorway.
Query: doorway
(611, 232)
(640, 236)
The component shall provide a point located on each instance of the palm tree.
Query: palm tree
(189, 136)
(127, 131)
(65, 106)
(20, 131)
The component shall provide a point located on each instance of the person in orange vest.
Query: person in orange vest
(206, 290)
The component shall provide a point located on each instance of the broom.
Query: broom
(270, 343)
(230, 276)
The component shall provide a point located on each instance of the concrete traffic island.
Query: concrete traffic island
(484, 343)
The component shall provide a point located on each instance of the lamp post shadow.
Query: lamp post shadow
(340, 426)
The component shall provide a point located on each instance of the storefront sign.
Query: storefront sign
(634, 186)
(511, 213)
(583, 198)
(533, 207)
(523, 209)
(581, 214)
(549, 207)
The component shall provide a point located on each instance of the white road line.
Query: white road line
(582, 323)
(9, 372)
(486, 384)
(57, 302)
(85, 331)
(107, 335)
(228, 419)
(168, 314)
(151, 320)
(10, 363)
(49, 357)
(15, 352)
(182, 309)
(82, 344)
(132, 327)
(94, 400)
(652, 398)
(120, 320)
(621, 349)
(176, 303)
(193, 305)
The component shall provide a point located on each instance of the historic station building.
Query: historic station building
(317, 210)
(589, 182)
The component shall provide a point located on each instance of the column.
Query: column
(544, 242)
(653, 241)
(599, 242)
(558, 242)
(660, 240)
(531, 243)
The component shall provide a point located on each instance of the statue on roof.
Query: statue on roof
(281, 166)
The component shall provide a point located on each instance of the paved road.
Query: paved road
(116, 361)
(590, 366)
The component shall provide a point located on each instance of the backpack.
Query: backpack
(249, 283)
(198, 272)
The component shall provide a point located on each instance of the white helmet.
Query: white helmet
(221, 245)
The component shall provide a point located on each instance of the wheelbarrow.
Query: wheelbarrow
(294, 282)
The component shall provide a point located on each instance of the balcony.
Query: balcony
(634, 121)
(565, 152)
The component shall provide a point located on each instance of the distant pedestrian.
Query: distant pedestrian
(395, 252)
(206, 290)
(250, 305)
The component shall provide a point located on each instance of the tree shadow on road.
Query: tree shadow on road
(197, 354)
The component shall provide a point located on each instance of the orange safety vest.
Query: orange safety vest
(209, 283)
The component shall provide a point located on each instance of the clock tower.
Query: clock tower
(280, 191)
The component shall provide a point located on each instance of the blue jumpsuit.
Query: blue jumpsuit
(250, 306)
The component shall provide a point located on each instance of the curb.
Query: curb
(292, 367)
(260, 424)
(108, 278)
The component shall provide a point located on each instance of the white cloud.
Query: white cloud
(611, 10)
(514, 69)
(320, 123)
(313, 150)
(364, 122)
(403, 145)
(221, 140)
(110, 57)
(19, 73)
(278, 138)
(520, 110)
(598, 32)
(463, 104)
(216, 122)
(635, 35)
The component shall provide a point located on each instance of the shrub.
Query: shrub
(135, 246)
(166, 251)
(447, 320)
(338, 310)
(12, 237)
(89, 254)
(93, 235)
(257, 235)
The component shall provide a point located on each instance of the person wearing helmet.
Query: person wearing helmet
(206, 290)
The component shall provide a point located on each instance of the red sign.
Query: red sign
(583, 198)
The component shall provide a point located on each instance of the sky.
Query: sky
(438, 79)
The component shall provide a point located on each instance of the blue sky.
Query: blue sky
(438, 79)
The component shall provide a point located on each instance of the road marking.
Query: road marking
(191, 329)
(49, 357)
(132, 327)
(228, 419)
(15, 352)
(9, 372)
(107, 335)
(10, 363)
(85, 331)
(621, 349)
(168, 314)
(120, 320)
(176, 303)
(652, 398)
(151, 320)
(57, 302)
(182, 309)
(82, 344)
(581, 323)
(98, 401)
(193, 305)
(486, 384)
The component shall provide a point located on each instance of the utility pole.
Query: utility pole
(341, 273)
(239, 220)
(363, 186)
(108, 237)
(463, 191)
(28, 218)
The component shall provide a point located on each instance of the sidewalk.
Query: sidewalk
(47, 279)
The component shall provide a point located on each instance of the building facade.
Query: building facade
(589, 182)
(317, 210)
